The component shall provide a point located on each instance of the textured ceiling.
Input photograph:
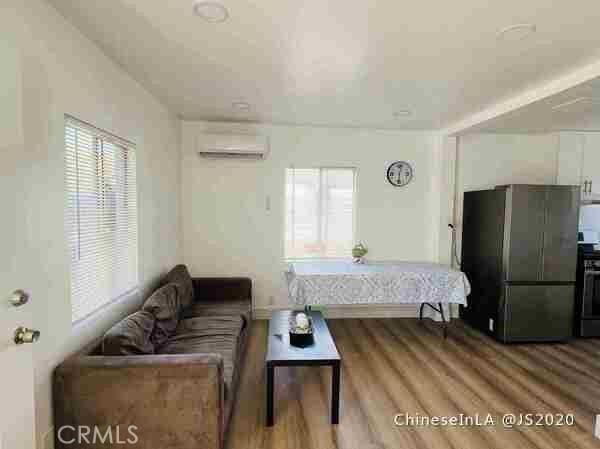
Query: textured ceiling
(339, 63)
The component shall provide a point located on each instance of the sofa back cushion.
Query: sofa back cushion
(130, 336)
(164, 305)
(180, 275)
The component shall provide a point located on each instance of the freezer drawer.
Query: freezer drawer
(536, 313)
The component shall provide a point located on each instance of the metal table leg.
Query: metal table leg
(443, 320)
(335, 393)
(441, 312)
(270, 387)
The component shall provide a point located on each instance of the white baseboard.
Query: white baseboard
(354, 311)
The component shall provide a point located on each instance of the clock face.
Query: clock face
(399, 173)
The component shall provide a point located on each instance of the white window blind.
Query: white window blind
(101, 217)
(319, 212)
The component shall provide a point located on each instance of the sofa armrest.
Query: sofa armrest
(175, 401)
(222, 288)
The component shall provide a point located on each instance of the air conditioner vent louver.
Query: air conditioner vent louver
(225, 155)
(233, 146)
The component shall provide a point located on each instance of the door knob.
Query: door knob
(26, 335)
(18, 298)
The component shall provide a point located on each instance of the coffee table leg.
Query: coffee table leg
(270, 381)
(335, 393)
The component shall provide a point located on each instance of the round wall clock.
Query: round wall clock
(399, 173)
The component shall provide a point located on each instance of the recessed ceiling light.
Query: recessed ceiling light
(241, 106)
(211, 11)
(587, 100)
(402, 113)
(517, 32)
(569, 103)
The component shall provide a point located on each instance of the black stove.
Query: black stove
(587, 292)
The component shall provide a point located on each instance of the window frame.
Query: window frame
(99, 138)
(355, 171)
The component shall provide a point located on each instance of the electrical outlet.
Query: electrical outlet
(597, 426)
(48, 439)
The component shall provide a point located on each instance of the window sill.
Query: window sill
(106, 312)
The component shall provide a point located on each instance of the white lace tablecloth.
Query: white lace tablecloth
(345, 282)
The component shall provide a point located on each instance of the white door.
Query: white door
(16, 365)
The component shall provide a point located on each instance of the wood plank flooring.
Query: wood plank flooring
(392, 366)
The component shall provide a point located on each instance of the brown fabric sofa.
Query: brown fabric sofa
(170, 369)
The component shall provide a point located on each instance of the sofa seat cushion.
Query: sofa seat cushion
(130, 336)
(164, 305)
(218, 335)
(181, 276)
(212, 307)
(211, 325)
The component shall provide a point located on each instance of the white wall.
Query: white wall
(228, 231)
(65, 73)
(487, 160)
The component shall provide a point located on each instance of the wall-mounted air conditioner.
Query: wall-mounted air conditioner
(240, 146)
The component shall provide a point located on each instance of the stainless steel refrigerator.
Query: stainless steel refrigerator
(519, 251)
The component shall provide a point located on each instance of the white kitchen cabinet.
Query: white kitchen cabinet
(591, 162)
(579, 162)
(570, 159)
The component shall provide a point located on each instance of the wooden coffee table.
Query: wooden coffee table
(322, 352)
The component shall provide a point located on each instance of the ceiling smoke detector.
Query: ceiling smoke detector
(402, 113)
(515, 33)
(241, 106)
(213, 12)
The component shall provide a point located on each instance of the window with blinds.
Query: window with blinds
(101, 217)
(320, 207)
